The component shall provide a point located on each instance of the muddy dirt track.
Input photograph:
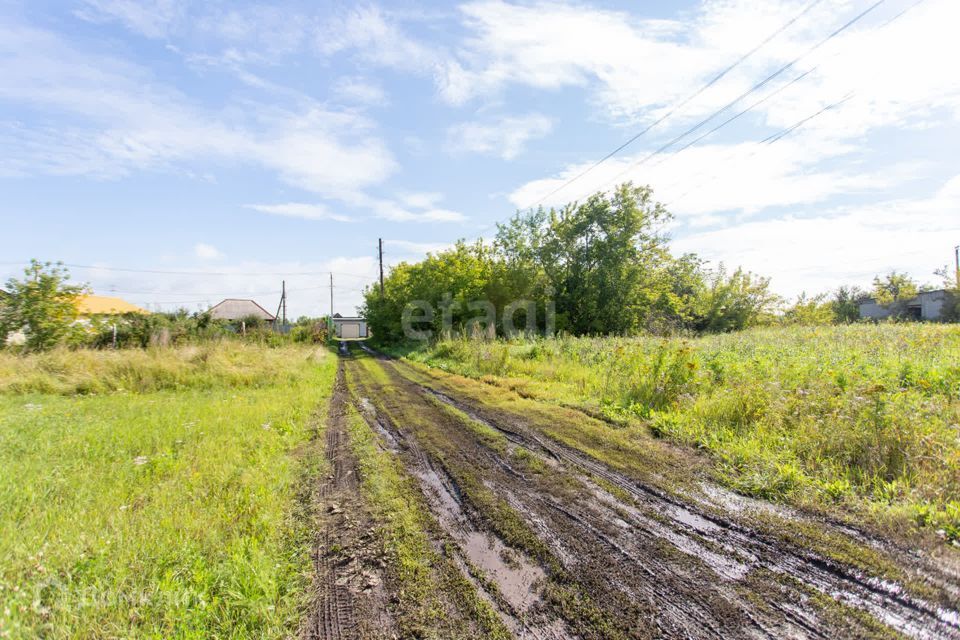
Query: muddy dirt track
(350, 601)
(566, 546)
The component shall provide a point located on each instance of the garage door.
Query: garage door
(350, 330)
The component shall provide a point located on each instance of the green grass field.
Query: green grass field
(859, 420)
(153, 494)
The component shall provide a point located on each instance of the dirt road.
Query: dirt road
(350, 600)
(568, 537)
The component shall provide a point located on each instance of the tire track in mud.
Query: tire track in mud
(730, 549)
(350, 601)
(505, 579)
(747, 548)
(642, 592)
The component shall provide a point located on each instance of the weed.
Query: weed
(864, 415)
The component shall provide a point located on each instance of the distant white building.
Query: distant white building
(350, 328)
(238, 309)
(928, 305)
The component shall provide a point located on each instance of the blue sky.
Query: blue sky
(247, 143)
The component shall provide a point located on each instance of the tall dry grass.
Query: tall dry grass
(83, 371)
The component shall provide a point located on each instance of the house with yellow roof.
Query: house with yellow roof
(91, 305)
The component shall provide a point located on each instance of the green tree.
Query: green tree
(735, 302)
(846, 303)
(42, 304)
(810, 310)
(602, 265)
(893, 291)
(603, 258)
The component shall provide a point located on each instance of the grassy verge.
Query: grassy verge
(161, 514)
(206, 366)
(857, 418)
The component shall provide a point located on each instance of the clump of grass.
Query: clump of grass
(163, 514)
(862, 416)
(206, 366)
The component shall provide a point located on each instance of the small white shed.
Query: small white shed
(350, 328)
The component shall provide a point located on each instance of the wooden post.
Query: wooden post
(380, 247)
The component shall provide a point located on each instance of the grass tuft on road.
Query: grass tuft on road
(166, 510)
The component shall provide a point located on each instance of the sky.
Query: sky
(177, 153)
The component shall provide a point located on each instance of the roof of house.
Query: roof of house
(236, 309)
(105, 305)
(917, 297)
(338, 318)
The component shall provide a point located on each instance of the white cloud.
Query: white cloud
(359, 90)
(743, 177)
(423, 211)
(820, 251)
(152, 18)
(550, 45)
(420, 200)
(635, 69)
(206, 251)
(300, 210)
(256, 33)
(418, 248)
(505, 137)
(410, 208)
(122, 119)
(372, 36)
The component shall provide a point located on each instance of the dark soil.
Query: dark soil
(565, 545)
(350, 599)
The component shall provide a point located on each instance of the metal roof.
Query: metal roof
(236, 309)
(106, 306)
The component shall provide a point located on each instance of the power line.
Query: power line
(770, 140)
(779, 90)
(745, 111)
(109, 289)
(757, 86)
(198, 273)
(763, 100)
(682, 103)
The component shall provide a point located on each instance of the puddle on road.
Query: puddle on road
(515, 577)
(723, 566)
(734, 563)
(691, 519)
(389, 440)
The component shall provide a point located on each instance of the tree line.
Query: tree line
(41, 311)
(601, 266)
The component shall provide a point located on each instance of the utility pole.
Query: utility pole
(956, 263)
(283, 301)
(331, 301)
(380, 246)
